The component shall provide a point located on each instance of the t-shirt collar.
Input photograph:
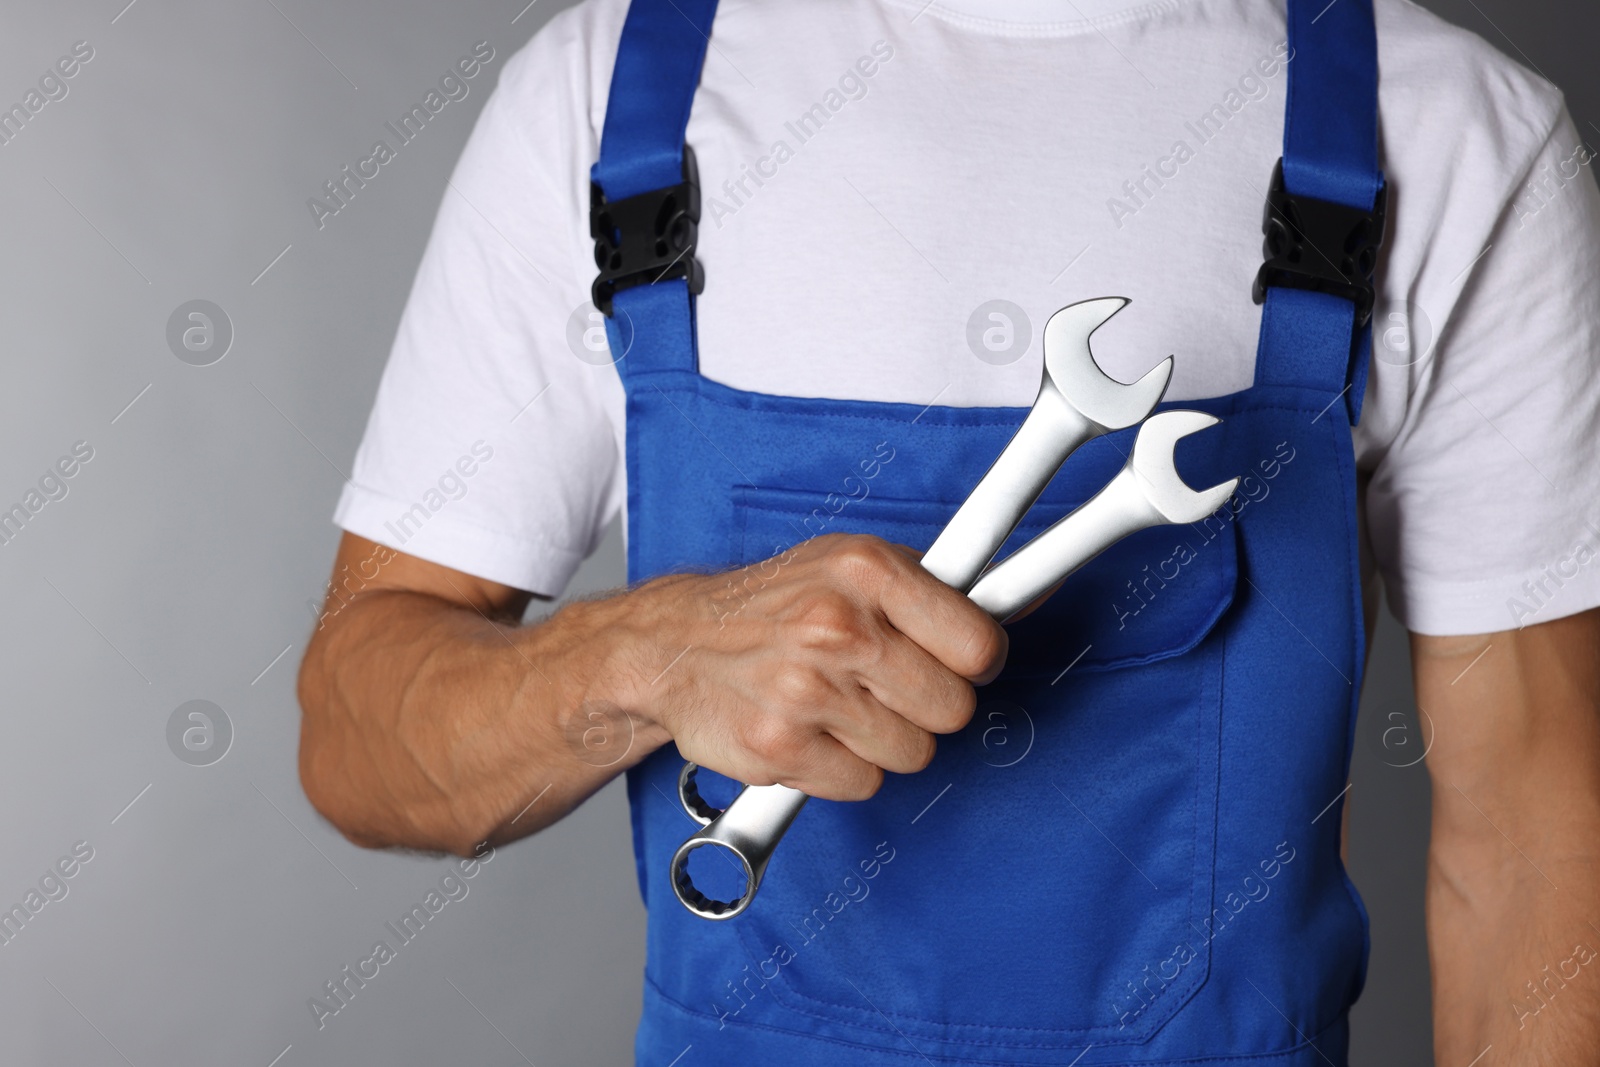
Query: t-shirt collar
(1037, 13)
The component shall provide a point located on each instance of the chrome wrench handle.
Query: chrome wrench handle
(1052, 431)
(1028, 573)
(1145, 492)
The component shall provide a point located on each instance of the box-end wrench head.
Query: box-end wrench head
(1077, 401)
(1146, 492)
(747, 831)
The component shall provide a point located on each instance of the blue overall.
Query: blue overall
(1132, 854)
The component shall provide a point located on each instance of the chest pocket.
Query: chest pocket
(1047, 881)
(1149, 597)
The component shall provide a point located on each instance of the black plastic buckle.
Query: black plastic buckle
(1320, 245)
(647, 238)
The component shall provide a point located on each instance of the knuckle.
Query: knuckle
(862, 556)
(831, 772)
(857, 780)
(798, 686)
(867, 783)
(831, 622)
(920, 750)
(961, 702)
(769, 739)
(983, 651)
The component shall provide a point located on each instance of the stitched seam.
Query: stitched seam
(1055, 30)
(528, 540)
(1258, 1056)
(1182, 994)
(1357, 626)
(1216, 585)
(1238, 401)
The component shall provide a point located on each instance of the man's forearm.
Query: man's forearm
(429, 725)
(1513, 956)
(432, 720)
(1513, 897)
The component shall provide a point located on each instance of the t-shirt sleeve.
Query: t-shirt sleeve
(492, 446)
(1483, 509)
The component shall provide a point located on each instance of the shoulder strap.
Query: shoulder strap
(659, 57)
(1330, 153)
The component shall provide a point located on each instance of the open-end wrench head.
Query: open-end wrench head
(1069, 366)
(1157, 474)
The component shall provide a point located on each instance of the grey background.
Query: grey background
(180, 564)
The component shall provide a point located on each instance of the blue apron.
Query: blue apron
(1132, 854)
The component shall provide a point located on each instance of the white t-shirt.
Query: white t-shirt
(876, 172)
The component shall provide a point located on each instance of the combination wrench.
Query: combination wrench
(1076, 402)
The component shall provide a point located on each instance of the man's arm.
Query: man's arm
(433, 719)
(1513, 898)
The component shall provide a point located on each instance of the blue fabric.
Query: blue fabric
(1132, 854)
(1330, 152)
(659, 56)
(1330, 133)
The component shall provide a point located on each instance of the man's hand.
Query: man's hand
(1513, 898)
(432, 719)
(819, 669)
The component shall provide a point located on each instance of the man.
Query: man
(1131, 854)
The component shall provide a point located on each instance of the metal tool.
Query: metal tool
(1076, 403)
(1146, 492)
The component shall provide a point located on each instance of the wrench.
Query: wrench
(1076, 402)
(1146, 492)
